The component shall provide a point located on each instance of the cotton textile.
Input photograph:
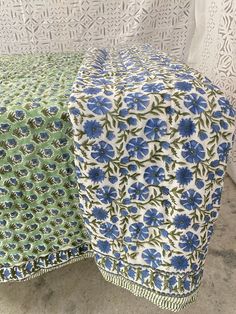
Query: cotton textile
(213, 50)
(40, 224)
(67, 25)
(152, 138)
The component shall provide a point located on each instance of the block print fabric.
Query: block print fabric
(152, 138)
(40, 224)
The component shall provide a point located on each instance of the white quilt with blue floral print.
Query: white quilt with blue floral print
(151, 138)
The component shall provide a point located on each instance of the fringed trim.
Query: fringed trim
(46, 270)
(174, 304)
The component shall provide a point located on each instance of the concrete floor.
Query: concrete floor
(80, 289)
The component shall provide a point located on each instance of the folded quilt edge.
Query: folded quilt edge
(170, 303)
(51, 268)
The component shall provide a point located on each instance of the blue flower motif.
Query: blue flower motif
(182, 221)
(224, 124)
(153, 87)
(209, 207)
(123, 171)
(137, 147)
(211, 176)
(186, 284)
(215, 163)
(216, 196)
(166, 97)
(110, 135)
(102, 81)
(108, 264)
(168, 159)
(138, 191)
(138, 231)
(223, 151)
(220, 172)
(153, 218)
(102, 152)
(166, 247)
(179, 262)
(109, 230)
(126, 201)
(92, 129)
(185, 76)
(92, 90)
(183, 86)
(20, 114)
(226, 107)
(114, 219)
(165, 190)
(135, 78)
(215, 127)
(202, 135)
(166, 203)
(122, 125)
(155, 128)
(96, 175)
(106, 194)
(172, 281)
(137, 101)
(196, 104)
(124, 160)
(193, 152)
(191, 199)
(131, 273)
(154, 175)
(158, 282)
(3, 110)
(123, 112)
(170, 110)
(176, 67)
(201, 91)
(133, 209)
(184, 176)
(210, 232)
(199, 184)
(186, 127)
(144, 274)
(132, 121)
(72, 98)
(132, 167)
(74, 111)
(6, 273)
(152, 257)
(124, 212)
(99, 105)
(104, 246)
(113, 179)
(217, 114)
(165, 144)
(5, 127)
(189, 242)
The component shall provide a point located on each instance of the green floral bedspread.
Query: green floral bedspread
(40, 226)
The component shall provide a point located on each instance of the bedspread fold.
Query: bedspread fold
(151, 139)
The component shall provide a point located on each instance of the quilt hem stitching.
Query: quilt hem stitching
(174, 304)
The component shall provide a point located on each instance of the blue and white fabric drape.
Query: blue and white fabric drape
(152, 138)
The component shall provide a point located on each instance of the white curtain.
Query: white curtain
(71, 25)
(213, 49)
